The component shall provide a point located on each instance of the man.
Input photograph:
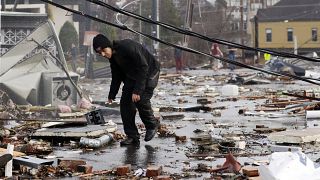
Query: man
(215, 51)
(178, 59)
(138, 70)
(232, 57)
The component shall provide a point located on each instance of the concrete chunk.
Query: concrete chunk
(31, 161)
(296, 136)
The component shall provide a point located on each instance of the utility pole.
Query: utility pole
(188, 20)
(241, 29)
(155, 28)
(88, 56)
(187, 26)
(256, 41)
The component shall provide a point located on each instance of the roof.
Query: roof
(291, 10)
(10, 13)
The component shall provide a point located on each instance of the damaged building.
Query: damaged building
(31, 62)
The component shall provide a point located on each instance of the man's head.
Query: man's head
(102, 45)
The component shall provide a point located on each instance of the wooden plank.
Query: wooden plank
(15, 153)
(71, 115)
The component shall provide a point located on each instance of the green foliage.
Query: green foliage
(67, 36)
(168, 14)
(108, 31)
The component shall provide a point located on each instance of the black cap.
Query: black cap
(101, 41)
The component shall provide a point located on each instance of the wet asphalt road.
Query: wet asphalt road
(165, 151)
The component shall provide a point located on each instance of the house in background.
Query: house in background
(289, 26)
(12, 31)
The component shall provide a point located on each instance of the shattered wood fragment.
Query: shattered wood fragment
(269, 109)
(70, 164)
(203, 101)
(186, 109)
(71, 115)
(163, 131)
(102, 172)
(268, 130)
(193, 119)
(284, 103)
(301, 96)
(86, 176)
(224, 155)
(204, 137)
(163, 177)
(254, 97)
(153, 171)
(181, 138)
(198, 109)
(250, 171)
(229, 99)
(173, 117)
(261, 126)
(38, 149)
(181, 101)
(202, 168)
(123, 170)
(15, 153)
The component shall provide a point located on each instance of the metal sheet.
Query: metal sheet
(15, 54)
(22, 80)
(76, 132)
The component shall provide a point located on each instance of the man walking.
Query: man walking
(132, 65)
(178, 59)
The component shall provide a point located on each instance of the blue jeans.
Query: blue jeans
(232, 58)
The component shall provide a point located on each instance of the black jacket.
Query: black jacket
(131, 60)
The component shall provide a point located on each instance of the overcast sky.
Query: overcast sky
(211, 1)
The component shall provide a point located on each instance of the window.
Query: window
(290, 34)
(314, 34)
(268, 35)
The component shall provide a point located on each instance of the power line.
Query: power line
(200, 36)
(123, 27)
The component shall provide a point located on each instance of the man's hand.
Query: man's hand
(135, 97)
(109, 101)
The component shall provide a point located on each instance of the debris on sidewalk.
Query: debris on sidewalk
(289, 165)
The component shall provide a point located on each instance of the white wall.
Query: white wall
(60, 16)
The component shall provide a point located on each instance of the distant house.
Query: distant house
(289, 25)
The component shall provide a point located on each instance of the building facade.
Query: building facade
(290, 25)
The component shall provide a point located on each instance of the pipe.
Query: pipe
(96, 143)
(312, 114)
